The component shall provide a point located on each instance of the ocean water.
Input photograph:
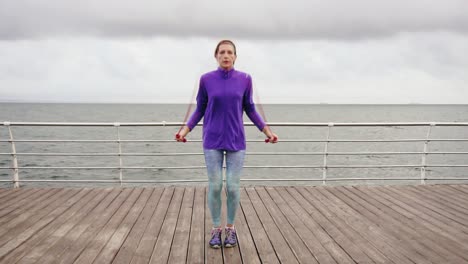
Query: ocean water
(323, 113)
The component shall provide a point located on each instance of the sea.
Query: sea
(273, 174)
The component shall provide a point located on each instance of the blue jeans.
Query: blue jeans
(214, 164)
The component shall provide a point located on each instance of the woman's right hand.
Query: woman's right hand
(180, 137)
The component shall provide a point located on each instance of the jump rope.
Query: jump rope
(192, 102)
(190, 105)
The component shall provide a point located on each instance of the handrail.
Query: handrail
(289, 124)
(251, 140)
(324, 167)
(247, 153)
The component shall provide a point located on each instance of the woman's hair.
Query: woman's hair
(225, 41)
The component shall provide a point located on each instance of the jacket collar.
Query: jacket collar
(225, 74)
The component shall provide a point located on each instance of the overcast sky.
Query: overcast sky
(298, 51)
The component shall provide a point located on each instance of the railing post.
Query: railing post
(325, 155)
(117, 125)
(424, 156)
(15, 158)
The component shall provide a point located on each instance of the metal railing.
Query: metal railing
(324, 167)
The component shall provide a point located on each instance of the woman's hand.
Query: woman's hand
(180, 137)
(272, 137)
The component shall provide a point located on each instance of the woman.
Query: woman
(222, 97)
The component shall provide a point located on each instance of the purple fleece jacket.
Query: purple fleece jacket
(222, 98)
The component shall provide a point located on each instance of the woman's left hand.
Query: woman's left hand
(272, 137)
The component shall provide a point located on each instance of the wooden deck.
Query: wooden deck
(381, 224)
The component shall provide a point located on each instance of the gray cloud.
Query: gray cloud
(423, 67)
(293, 19)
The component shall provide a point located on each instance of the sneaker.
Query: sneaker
(215, 241)
(231, 237)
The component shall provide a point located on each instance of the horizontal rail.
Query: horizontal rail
(246, 167)
(111, 181)
(251, 140)
(103, 167)
(104, 154)
(293, 124)
(248, 153)
(246, 180)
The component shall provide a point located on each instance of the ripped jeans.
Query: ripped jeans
(214, 163)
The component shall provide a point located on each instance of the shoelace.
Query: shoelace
(216, 234)
(231, 234)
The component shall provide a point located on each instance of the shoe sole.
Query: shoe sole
(215, 246)
(229, 245)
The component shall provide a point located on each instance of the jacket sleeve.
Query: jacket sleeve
(202, 101)
(249, 106)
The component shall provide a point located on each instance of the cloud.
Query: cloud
(423, 67)
(293, 19)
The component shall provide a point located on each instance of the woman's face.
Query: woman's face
(226, 56)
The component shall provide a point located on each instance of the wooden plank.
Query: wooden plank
(211, 255)
(345, 228)
(447, 207)
(8, 193)
(97, 243)
(14, 197)
(125, 254)
(27, 229)
(245, 241)
(17, 230)
(110, 250)
(421, 239)
(35, 246)
(27, 210)
(99, 220)
(430, 218)
(17, 195)
(448, 194)
(178, 252)
(264, 247)
(439, 197)
(424, 216)
(380, 221)
(5, 190)
(77, 226)
(290, 231)
(424, 220)
(280, 245)
(279, 207)
(163, 244)
(327, 224)
(462, 189)
(422, 224)
(18, 204)
(151, 234)
(196, 246)
(374, 236)
(287, 203)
